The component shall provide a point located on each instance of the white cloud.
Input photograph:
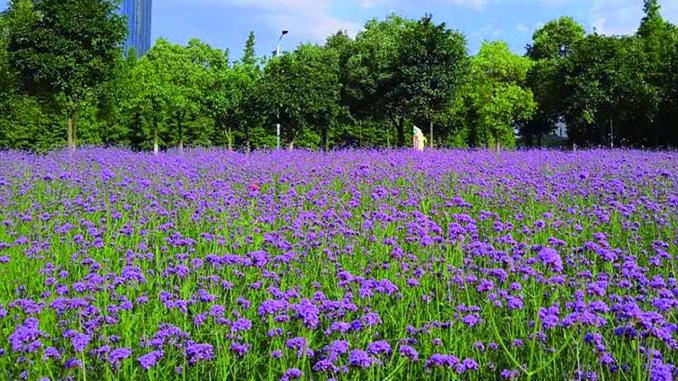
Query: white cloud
(621, 17)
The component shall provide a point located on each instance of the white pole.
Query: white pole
(277, 134)
(277, 126)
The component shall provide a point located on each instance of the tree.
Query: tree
(233, 88)
(555, 39)
(303, 93)
(550, 45)
(669, 131)
(431, 66)
(178, 78)
(658, 38)
(495, 98)
(405, 69)
(606, 92)
(6, 77)
(147, 103)
(371, 74)
(249, 58)
(64, 49)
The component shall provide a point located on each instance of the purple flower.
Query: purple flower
(217, 310)
(239, 349)
(241, 325)
(271, 307)
(336, 349)
(660, 371)
(79, 341)
(466, 365)
(149, 360)
(325, 366)
(441, 360)
(117, 355)
(297, 343)
(471, 320)
(26, 337)
(371, 319)
(359, 359)
(551, 259)
(308, 312)
(51, 353)
(549, 316)
(198, 352)
(408, 352)
(379, 347)
(72, 363)
(291, 374)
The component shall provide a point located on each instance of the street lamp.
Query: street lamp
(277, 125)
(277, 49)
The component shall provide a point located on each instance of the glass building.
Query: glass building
(138, 13)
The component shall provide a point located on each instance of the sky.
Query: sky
(225, 23)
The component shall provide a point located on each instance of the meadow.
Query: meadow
(350, 265)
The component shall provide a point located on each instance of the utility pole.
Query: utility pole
(277, 125)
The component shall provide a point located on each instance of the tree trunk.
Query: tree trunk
(431, 130)
(180, 127)
(69, 132)
(156, 145)
(291, 145)
(400, 131)
(230, 139)
(229, 136)
(498, 147)
(611, 135)
(360, 135)
(71, 117)
(323, 138)
(247, 138)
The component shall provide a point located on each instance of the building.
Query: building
(138, 13)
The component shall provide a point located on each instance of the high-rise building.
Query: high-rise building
(138, 13)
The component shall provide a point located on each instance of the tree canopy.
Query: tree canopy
(62, 62)
(63, 49)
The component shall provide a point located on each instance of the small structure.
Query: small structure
(418, 139)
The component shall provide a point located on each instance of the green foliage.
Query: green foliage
(303, 94)
(495, 98)
(431, 67)
(659, 39)
(606, 86)
(405, 69)
(168, 89)
(233, 105)
(555, 39)
(63, 49)
(551, 44)
(367, 91)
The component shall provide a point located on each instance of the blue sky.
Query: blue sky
(226, 23)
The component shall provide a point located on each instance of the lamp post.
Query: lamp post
(277, 125)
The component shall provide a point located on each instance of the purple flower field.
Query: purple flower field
(354, 265)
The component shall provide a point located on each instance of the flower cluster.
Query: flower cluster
(345, 265)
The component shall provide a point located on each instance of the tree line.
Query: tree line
(64, 80)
